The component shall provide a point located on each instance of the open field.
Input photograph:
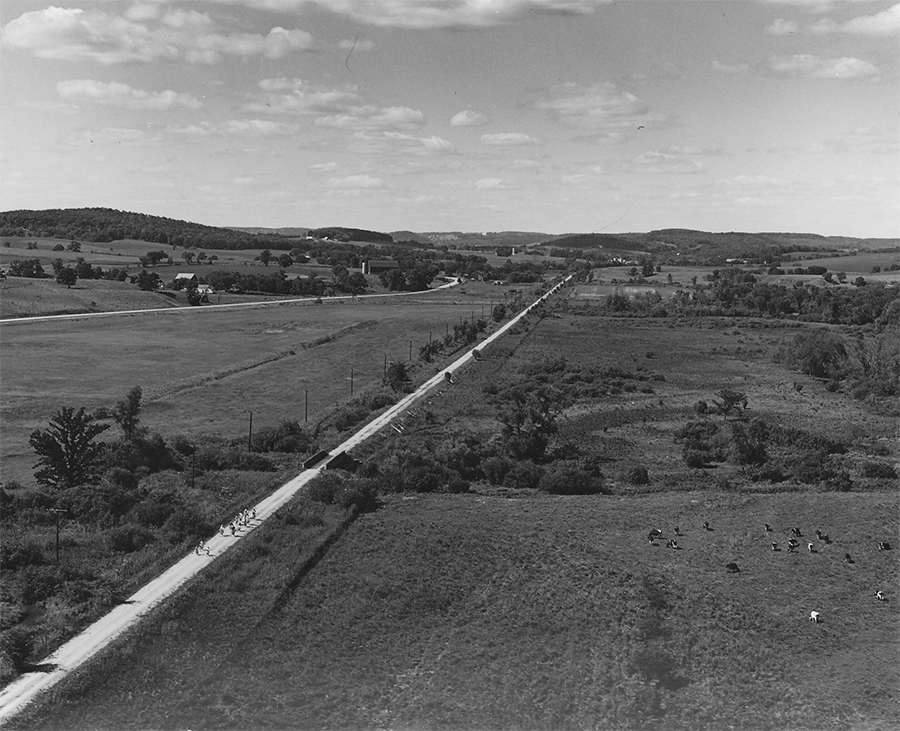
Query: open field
(856, 264)
(509, 608)
(202, 371)
(538, 612)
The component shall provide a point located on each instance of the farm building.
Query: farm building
(186, 279)
(377, 266)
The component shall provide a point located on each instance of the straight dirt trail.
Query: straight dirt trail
(15, 696)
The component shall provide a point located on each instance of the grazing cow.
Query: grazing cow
(732, 568)
(706, 525)
(768, 528)
(656, 532)
(792, 547)
(848, 558)
(884, 546)
(814, 616)
(672, 543)
(677, 531)
(809, 547)
(823, 537)
(879, 595)
(775, 546)
(651, 537)
(796, 532)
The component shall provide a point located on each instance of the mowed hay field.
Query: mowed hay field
(473, 612)
(202, 370)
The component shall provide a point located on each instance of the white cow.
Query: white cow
(879, 595)
(814, 616)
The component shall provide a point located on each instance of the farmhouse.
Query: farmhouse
(205, 289)
(186, 279)
(376, 266)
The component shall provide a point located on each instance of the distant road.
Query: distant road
(99, 635)
(207, 308)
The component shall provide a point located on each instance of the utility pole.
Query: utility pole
(410, 351)
(384, 375)
(351, 382)
(306, 405)
(250, 434)
(57, 511)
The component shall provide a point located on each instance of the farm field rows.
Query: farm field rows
(204, 371)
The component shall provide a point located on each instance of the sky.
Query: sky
(458, 115)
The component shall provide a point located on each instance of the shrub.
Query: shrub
(288, 436)
(568, 479)
(128, 538)
(879, 470)
(325, 487)
(37, 583)
(523, 475)
(19, 552)
(16, 646)
(224, 456)
(151, 513)
(638, 475)
(187, 522)
(360, 493)
(819, 353)
(495, 469)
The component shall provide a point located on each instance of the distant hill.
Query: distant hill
(291, 232)
(340, 233)
(483, 240)
(609, 242)
(106, 224)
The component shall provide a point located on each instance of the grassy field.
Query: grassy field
(203, 370)
(855, 264)
(539, 612)
(512, 609)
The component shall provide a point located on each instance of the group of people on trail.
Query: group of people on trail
(241, 520)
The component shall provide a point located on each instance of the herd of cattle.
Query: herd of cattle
(792, 544)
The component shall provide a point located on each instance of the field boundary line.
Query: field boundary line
(207, 308)
(78, 650)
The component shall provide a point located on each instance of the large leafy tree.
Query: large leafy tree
(127, 414)
(68, 455)
(528, 412)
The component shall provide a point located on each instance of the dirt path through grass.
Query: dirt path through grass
(99, 635)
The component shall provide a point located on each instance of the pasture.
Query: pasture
(537, 612)
(203, 370)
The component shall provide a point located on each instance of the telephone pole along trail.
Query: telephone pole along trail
(15, 696)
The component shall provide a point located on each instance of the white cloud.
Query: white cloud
(730, 68)
(490, 184)
(144, 34)
(324, 167)
(603, 107)
(674, 160)
(508, 138)
(399, 143)
(813, 67)
(341, 107)
(430, 14)
(782, 27)
(885, 23)
(372, 117)
(122, 95)
(357, 182)
(468, 118)
(238, 128)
